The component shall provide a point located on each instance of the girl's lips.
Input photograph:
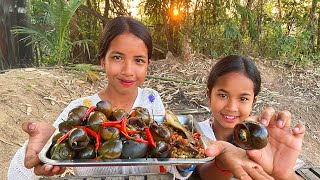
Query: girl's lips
(126, 83)
(229, 118)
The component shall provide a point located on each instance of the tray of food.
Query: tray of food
(98, 136)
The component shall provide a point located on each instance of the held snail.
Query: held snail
(250, 135)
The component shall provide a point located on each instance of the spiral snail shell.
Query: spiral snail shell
(250, 135)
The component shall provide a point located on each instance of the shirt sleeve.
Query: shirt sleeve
(17, 170)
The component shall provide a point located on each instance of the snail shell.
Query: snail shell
(78, 139)
(250, 135)
(132, 149)
(162, 150)
(95, 119)
(110, 149)
(105, 107)
(141, 113)
(62, 151)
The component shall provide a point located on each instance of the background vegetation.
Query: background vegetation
(67, 31)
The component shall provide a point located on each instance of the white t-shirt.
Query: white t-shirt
(147, 98)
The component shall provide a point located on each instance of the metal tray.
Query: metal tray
(184, 119)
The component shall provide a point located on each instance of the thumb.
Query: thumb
(30, 128)
(39, 134)
(254, 155)
(215, 149)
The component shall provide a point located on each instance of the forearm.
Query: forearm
(207, 171)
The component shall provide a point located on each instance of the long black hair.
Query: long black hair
(119, 25)
(235, 63)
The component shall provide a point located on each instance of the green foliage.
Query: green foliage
(51, 29)
(216, 28)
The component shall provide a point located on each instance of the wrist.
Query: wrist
(220, 168)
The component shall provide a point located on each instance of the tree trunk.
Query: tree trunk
(318, 39)
(312, 23)
(244, 19)
(279, 9)
(259, 20)
(291, 18)
(106, 11)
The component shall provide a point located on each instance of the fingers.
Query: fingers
(256, 172)
(241, 174)
(267, 115)
(250, 171)
(283, 120)
(299, 130)
(48, 170)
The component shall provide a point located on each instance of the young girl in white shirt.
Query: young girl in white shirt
(232, 88)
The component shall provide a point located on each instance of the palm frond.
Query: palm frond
(33, 35)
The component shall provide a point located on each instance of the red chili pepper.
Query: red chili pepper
(132, 131)
(98, 141)
(111, 123)
(124, 128)
(129, 131)
(149, 136)
(126, 135)
(138, 139)
(65, 136)
(92, 133)
(92, 108)
(196, 135)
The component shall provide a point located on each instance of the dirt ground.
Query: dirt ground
(40, 94)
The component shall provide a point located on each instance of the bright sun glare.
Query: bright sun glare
(175, 11)
(134, 7)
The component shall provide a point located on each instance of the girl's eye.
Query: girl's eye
(224, 96)
(140, 61)
(243, 99)
(116, 57)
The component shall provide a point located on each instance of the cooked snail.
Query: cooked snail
(250, 135)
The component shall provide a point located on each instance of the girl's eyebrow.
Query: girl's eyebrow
(120, 53)
(224, 91)
(117, 52)
(242, 94)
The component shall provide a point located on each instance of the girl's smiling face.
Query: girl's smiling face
(231, 99)
(126, 63)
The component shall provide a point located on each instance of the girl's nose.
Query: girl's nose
(232, 106)
(127, 68)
